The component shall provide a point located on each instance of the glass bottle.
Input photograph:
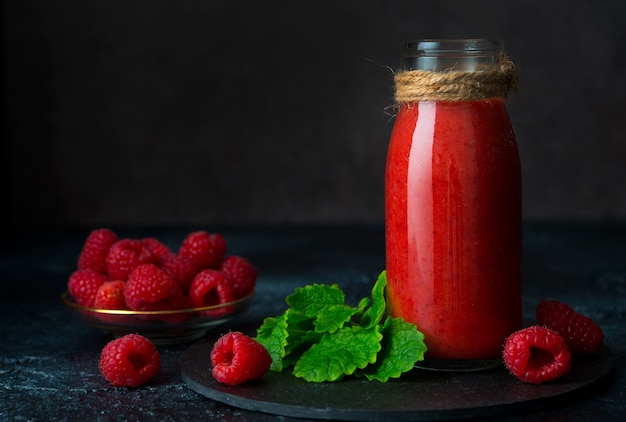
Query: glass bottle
(453, 202)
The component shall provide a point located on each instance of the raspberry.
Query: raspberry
(241, 275)
(130, 361)
(209, 288)
(180, 268)
(206, 250)
(94, 252)
(582, 335)
(537, 354)
(158, 248)
(150, 289)
(110, 295)
(237, 358)
(125, 255)
(83, 285)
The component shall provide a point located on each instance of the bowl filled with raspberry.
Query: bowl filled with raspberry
(143, 286)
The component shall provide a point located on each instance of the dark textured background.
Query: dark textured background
(236, 111)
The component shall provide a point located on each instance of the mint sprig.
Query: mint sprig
(325, 339)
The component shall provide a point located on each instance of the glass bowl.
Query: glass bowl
(161, 327)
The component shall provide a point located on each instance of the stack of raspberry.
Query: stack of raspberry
(146, 275)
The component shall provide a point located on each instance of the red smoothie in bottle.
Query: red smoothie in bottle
(453, 226)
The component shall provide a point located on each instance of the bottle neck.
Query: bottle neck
(454, 70)
(467, 55)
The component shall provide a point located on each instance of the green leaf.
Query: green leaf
(374, 314)
(311, 299)
(332, 318)
(294, 350)
(402, 346)
(317, 337)
(297, 321)
(300, 329)
(363, 303)
(339, 354)
(273, 335)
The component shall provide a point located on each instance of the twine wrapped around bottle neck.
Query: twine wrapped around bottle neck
(455, 85)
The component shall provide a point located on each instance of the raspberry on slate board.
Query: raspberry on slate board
(237, 358)
(582, 335)
(537, 354)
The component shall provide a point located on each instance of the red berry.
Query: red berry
(206, 250)
(582, 335)
(180, 268)
(150, 289)
(537, 354)
(125, 255)
(83, 285)
(110, 295)
(94, 252)
(241, 274)
(237, 358)
(158, 248)
(209, 288)
(130, 361)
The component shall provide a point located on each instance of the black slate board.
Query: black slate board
(418, 395)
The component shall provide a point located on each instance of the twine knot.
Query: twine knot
(456, 85)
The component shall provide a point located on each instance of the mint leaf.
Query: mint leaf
(273, 335)
(332, 318)
(363, 303)
(293, 351)
(339, 354)
(300, 327)
(402, 346)
(318, 336)
(297, 321)
(311, 299)
(374, 314)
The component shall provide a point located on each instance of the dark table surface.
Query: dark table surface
(49, 359)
